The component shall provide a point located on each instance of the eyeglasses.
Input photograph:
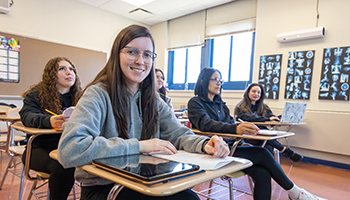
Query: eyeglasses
(133, 53)
(217, 80)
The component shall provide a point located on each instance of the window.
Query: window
(185, 68)
(232, 55)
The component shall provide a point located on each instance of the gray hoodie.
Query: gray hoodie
(91, 132)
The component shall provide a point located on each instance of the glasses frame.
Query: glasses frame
(133, 58)
(218, 80)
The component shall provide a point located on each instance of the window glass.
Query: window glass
(179, 65)
(193, 64)
(241, 56)
(221, 55)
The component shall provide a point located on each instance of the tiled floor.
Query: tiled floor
(326, 182)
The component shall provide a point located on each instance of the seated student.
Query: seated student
(252, 109)
(207, 112)
(161, 89)
(59, 89)
(121, 114)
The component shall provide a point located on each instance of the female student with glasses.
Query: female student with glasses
(207, 112)
(59, 89)
(120, 113)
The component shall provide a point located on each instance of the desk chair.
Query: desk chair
(39, 176)
(14, 151)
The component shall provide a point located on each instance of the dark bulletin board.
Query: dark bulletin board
(35, 54)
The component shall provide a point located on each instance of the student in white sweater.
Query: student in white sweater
(120, 113)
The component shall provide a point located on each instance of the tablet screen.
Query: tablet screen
(144, 167)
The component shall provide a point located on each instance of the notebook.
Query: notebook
(293, 112)
(147, 169)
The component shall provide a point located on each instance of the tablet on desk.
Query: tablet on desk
(146, 169)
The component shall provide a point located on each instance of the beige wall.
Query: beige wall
(326, 134)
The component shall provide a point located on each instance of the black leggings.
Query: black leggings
(264, 168)
(100, 192)
(270, 144)
(61, 180)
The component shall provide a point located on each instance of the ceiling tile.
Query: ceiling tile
(161, 10)
(95, 3)
(117, 6)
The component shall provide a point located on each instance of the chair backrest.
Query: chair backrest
(13, 112)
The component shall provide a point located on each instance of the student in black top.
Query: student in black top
(59, 89)
(207, 112)
(252, 109)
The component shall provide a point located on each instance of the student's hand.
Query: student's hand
(247, 128)
(57, 121)
(157, 145)
(217, 146)
(274, 119)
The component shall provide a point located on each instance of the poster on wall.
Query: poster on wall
(334, 83)
(299, 73)
(269, 74)
(9, 60)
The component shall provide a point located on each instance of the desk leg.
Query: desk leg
(114, 192)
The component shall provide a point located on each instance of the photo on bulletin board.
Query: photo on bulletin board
(334, 83)
(299, 73)
(269, 74)
(9, 59)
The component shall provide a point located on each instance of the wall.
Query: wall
(326, 134)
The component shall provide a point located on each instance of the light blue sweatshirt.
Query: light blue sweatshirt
(91, 132)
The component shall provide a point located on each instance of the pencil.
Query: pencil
(50, 112)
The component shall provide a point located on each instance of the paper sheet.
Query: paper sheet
(205, 161)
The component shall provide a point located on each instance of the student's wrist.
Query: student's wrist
(203, 145)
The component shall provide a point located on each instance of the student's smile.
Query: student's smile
(136, 70)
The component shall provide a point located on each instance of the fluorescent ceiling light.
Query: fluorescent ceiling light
(138, 3)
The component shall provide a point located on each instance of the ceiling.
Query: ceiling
(156, 11)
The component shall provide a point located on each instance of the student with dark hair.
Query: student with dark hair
(253, 109)
(120, 113)
(207, 112)
(59, 89)
(161, 89)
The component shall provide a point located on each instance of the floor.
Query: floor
(323, 181)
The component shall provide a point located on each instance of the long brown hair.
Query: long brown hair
(112, 78)
(245, 104)
(49, 96)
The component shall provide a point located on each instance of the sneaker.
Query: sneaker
(305, 195)
(295, 157)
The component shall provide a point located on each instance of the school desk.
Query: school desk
(34, 132)
(274, 124)
(238, 138)
(164, 189)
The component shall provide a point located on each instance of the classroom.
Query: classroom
(84, 33)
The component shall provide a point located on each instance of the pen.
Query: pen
(50, 112)
(240, 120)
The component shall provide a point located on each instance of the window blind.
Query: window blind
(237, 16)
(186, 31)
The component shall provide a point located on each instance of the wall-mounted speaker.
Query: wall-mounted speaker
(4, 6)
(305, 34)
